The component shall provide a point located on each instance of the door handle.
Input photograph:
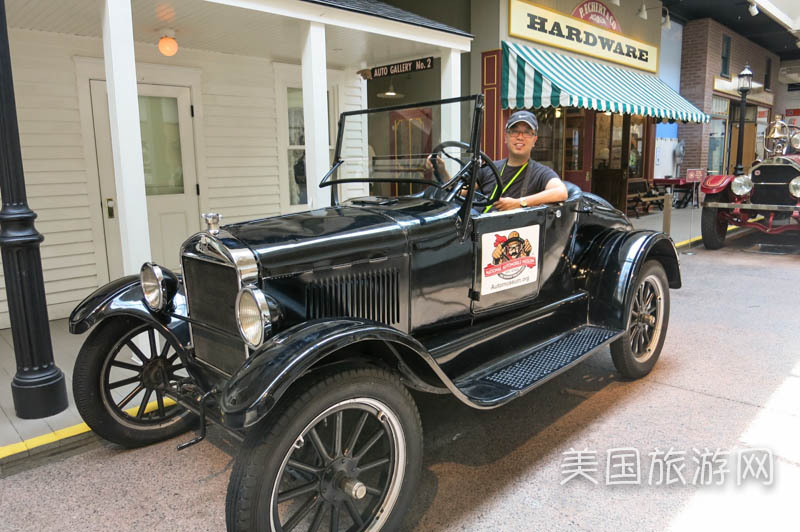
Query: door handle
(110, 207)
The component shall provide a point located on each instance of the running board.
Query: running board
(498, 385)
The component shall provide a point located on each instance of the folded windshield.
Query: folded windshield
(387, 148)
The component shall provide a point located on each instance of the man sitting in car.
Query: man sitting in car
(523, 181)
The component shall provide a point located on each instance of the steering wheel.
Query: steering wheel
(458, 182)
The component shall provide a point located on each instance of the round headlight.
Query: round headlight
(794, 141)
(153, 286)
(252, 316)
(794, 187)
(742, 185)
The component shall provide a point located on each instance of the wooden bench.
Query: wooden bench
(641, 195)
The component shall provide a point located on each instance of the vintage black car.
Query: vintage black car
(302, 334)
(767, 199)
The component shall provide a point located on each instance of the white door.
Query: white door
(169, 171)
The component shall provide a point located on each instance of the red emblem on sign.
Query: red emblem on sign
(597, 13)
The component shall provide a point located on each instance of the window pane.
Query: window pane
(573, 155)
(294, 98)
(726, 54)
(548, 149)
(161, 145)
(616, 142)
(636, 152)
(602, 137)
(297, 177)
(716, 146)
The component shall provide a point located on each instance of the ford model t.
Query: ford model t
(302, 334)
(767, 199)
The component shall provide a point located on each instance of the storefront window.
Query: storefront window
(608, 141)
(716, 142)
(573, 139)
(549, 147)
(762, 121)
(636, 151)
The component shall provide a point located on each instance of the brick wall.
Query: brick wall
(701, 60)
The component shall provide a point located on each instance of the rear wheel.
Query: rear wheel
(713, 226)
(637, 351)
(345, 455)
(118, 383)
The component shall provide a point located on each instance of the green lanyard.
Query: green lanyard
(491, 196)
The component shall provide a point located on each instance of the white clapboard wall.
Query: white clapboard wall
(237, 163)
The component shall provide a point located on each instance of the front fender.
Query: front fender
(123, 297)
(261, 381)
(714, 184)
(618, 259)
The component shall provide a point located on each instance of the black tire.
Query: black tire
(713, 227)
(636, 352)
(107, 354)
(366, 402)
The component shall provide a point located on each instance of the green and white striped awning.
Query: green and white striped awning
(533, 77)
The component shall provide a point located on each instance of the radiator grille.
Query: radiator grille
(771, 185)
(371, 295)
(211, 289)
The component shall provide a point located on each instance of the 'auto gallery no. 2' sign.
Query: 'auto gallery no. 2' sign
(594, 38)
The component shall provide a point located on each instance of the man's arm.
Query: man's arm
(553, 192)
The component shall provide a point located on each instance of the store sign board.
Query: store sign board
(404, 67)
(597, 13)
(538, 24)
(756, 95)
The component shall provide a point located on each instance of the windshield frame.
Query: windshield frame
(330, 178)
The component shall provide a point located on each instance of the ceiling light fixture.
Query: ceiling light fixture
(390, 93)
(666, 23)
(753, 9)
(167, 44)
(615, 2)
(642, 12)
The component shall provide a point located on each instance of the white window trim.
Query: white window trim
(290, 76)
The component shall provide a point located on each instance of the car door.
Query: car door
(507, 257)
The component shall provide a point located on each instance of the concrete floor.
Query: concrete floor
(728, 380)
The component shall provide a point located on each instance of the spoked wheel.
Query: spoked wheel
(118, 383)
(344, 456)
(637, 351)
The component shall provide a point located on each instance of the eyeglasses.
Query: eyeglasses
(524, 133)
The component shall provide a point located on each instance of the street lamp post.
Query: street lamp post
(38, 388)
(745, 84)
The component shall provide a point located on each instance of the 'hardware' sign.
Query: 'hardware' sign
(534, 23)
(404, 67)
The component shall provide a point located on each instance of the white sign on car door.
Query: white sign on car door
(169, 168)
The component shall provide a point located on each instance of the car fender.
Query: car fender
(123, 297)
(714, 184)
(618, 258)
(258, 385)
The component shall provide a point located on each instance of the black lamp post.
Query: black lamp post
(745, 84)
(38, 388)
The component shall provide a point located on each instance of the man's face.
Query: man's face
(514, 250)
(520, 139)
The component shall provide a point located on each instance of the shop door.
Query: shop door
(610, 161)
(749, 151)
(578, 134)
(411, 143)
(170, 179)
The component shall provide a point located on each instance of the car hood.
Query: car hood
(320, 238)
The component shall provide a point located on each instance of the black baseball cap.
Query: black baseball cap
(523, 116)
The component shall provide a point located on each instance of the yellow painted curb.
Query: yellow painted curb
(61, 434)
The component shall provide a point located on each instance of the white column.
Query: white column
(451, 88)
(315, 114)
(126, 138)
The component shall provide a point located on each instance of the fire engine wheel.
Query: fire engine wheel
(636, 352)
(713, 227)
(343, 455)
(118, 380)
